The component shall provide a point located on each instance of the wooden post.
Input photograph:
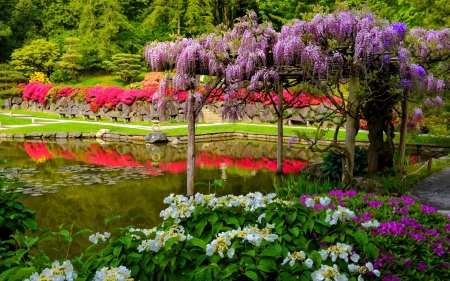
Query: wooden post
(280, 129)
(191, 146)
(403, 132)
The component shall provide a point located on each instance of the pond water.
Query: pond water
(84, 182)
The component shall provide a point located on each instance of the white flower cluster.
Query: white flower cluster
(324, 201)
(120, 273)
(328, 273)
(340, 214)
(297, 256)
(161, 238)
(146, 231)
(94, 237)
(340, 250)
(368, 224)
(363, 270)
(182, 207)
(254, 235)
(58, 272)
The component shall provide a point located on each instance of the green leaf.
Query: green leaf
(134, 269)
(81, 232)
(295, 231)
(361, 237)
(117, 250)
(252, 275)
(200, 226)
(316, 257)
(30, 223)
(232, 221)
(287, 237)
(9, 272)
(216, 228)
(170, 242)
(198, 242)
(213, 218)
(203, 275)
(250, 253)
(65, 233)
(327, 239)
(22, 274)
(270, 253)
(371, 251)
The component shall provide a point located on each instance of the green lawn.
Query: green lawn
(72, 127)
(78, 118)
(10, 120)
(102, 80)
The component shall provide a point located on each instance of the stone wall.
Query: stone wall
(143, 111)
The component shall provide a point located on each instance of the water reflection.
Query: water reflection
(95, 181)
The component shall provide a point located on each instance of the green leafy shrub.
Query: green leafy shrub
(332, 162)
(127, 66)
(60, 76)
(13, 215)
(9, 79)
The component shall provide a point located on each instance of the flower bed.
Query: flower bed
(340, 236)
(104, 96)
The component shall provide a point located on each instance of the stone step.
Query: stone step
(211, 117)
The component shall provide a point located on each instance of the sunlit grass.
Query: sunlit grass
(101, 80)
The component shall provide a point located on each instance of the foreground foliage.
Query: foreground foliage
(340, 236)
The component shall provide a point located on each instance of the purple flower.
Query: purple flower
(428, 209)
(291, 141)
(417, 115)
(375, 204)
(400, 28)
(404, 84)
(422, 266)
(447, 228)
(439, 251)
(351, 193)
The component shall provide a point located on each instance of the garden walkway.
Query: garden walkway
(435, 191)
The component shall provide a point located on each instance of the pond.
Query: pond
(84, 182)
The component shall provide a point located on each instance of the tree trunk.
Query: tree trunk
(348, 159)
(280, 129)
(191, 146)
(403, 131)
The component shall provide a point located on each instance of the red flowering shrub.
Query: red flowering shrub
(151, 80)
(36, 91)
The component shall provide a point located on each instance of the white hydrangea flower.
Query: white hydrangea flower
(324, 201)
(309, 202)
(339, 250)
(328, 273)
(161, 238)
(368, 224)
(116, 273)
(296, 256)
(261, 217)
(333, 216)
(368, 267)
(95, 237)
(309, 263)
(58, 272)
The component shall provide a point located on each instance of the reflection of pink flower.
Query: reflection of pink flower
(37, 150)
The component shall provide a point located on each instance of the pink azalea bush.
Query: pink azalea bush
(102, 96)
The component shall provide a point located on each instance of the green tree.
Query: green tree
(40, 55)
(127, 66)
(100, 26)
(58, 16)
(71, 61)
(9, 79)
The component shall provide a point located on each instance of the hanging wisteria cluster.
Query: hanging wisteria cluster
(340, 41)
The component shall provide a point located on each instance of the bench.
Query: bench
(88, 115)
(126, 119)
(70, 114)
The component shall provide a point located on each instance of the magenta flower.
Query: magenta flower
(375, 204)
(422, 266)
(439, 251)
